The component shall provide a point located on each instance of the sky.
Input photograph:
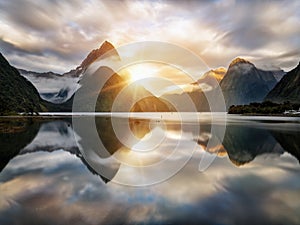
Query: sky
(57, 35)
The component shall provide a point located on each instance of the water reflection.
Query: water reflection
(48, 180)
(289, 140)
(244, 143)
(14, 136)
(241, 143)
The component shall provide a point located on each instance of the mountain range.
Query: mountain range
(58, 88)
(242, 83)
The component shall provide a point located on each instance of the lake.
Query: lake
(150, 169)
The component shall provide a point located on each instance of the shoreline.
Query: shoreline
(165, 116)
(270, 115)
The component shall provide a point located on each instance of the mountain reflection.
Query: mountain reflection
(289, 140)
(139, 128)
(14, 136)
(242, 143)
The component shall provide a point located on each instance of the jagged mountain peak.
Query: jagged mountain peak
(105, 47)
(244, 83)
(217, 73)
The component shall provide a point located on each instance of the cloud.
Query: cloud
(249, 37)
(29, 15)
(9, 48)
(64, 32)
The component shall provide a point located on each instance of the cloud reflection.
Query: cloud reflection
(78, 196)
(55, 187)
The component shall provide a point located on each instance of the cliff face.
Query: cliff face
(244, 83)
(16, 93)
(287, 89)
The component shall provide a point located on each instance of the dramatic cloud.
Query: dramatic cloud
(57, 35)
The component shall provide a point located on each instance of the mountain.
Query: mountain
(106, 49)
(200, 90)
(152, 104)
(113, 84)
(89, 84)
(89, 90)
(16, 93)
(278, 74)
(58, 88)
(243, 83)
(287, 89)
(212, 75)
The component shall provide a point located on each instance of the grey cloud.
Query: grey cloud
(46, 28)
(289, 59)
(40, 63)
(242, 27)
(286, 60)
(28, 14)
(288, 54)
(9, 48)
(249, 37)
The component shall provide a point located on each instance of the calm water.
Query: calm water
(51, 172)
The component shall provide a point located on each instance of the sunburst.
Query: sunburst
(141, 71)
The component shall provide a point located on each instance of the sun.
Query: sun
(141, 71)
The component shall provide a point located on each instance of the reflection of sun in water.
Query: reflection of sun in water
(141, 71)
